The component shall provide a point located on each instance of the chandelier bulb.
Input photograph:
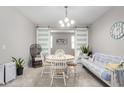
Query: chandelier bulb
(60, 22)
(62, 25)
(68, 25)
(66, 19)
(72, 22)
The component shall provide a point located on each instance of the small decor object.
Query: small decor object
(61, 41)
(117, 30)
(19, 65)
(85, 50)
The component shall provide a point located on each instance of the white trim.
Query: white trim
(65, 31)
(49, 41)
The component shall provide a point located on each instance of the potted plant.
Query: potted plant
(121, 65)
(85, 50)
(19, 65)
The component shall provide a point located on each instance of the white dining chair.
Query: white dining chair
(46, 66)
(59, 69)
(72, 66)
(60, 52)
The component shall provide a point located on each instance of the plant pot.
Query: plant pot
(20, 71)
(85, 55)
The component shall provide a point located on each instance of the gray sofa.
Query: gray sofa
(97, 66)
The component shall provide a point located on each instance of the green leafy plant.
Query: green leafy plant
(85, 49)
(121, 64)
(19, 62)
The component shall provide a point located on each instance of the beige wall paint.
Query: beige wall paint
(16, 35)
(99, 33)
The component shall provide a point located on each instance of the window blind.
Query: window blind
(43, 38)
(81, 37)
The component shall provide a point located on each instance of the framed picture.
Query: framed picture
(61, 41)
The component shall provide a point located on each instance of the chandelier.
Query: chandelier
(66, 22)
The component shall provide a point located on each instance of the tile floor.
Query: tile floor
(32, 78)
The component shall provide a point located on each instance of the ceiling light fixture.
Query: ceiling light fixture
(66, 22)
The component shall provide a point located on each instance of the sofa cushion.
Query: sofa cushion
(38, 59)
(111, 66)
(93, 67)
(106, 76)
(98, 69)
(105, 59)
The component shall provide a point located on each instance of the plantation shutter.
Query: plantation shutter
(81, 37)
(43, 38)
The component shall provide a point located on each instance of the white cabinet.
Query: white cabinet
(10, 71)
(1, 74)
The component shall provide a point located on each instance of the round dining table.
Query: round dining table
(66, 57)
(56, 58)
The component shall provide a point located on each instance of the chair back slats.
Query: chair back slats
(60, 52)
(59, 66)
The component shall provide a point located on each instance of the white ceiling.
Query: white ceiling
(50, 15)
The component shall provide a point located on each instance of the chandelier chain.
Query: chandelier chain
(66, 11)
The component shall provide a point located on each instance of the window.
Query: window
(72, 42)
(51, 38)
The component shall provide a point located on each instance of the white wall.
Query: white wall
(16, 35)
(99, 34)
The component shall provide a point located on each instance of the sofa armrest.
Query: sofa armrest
(91, 59)
(83, 61)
